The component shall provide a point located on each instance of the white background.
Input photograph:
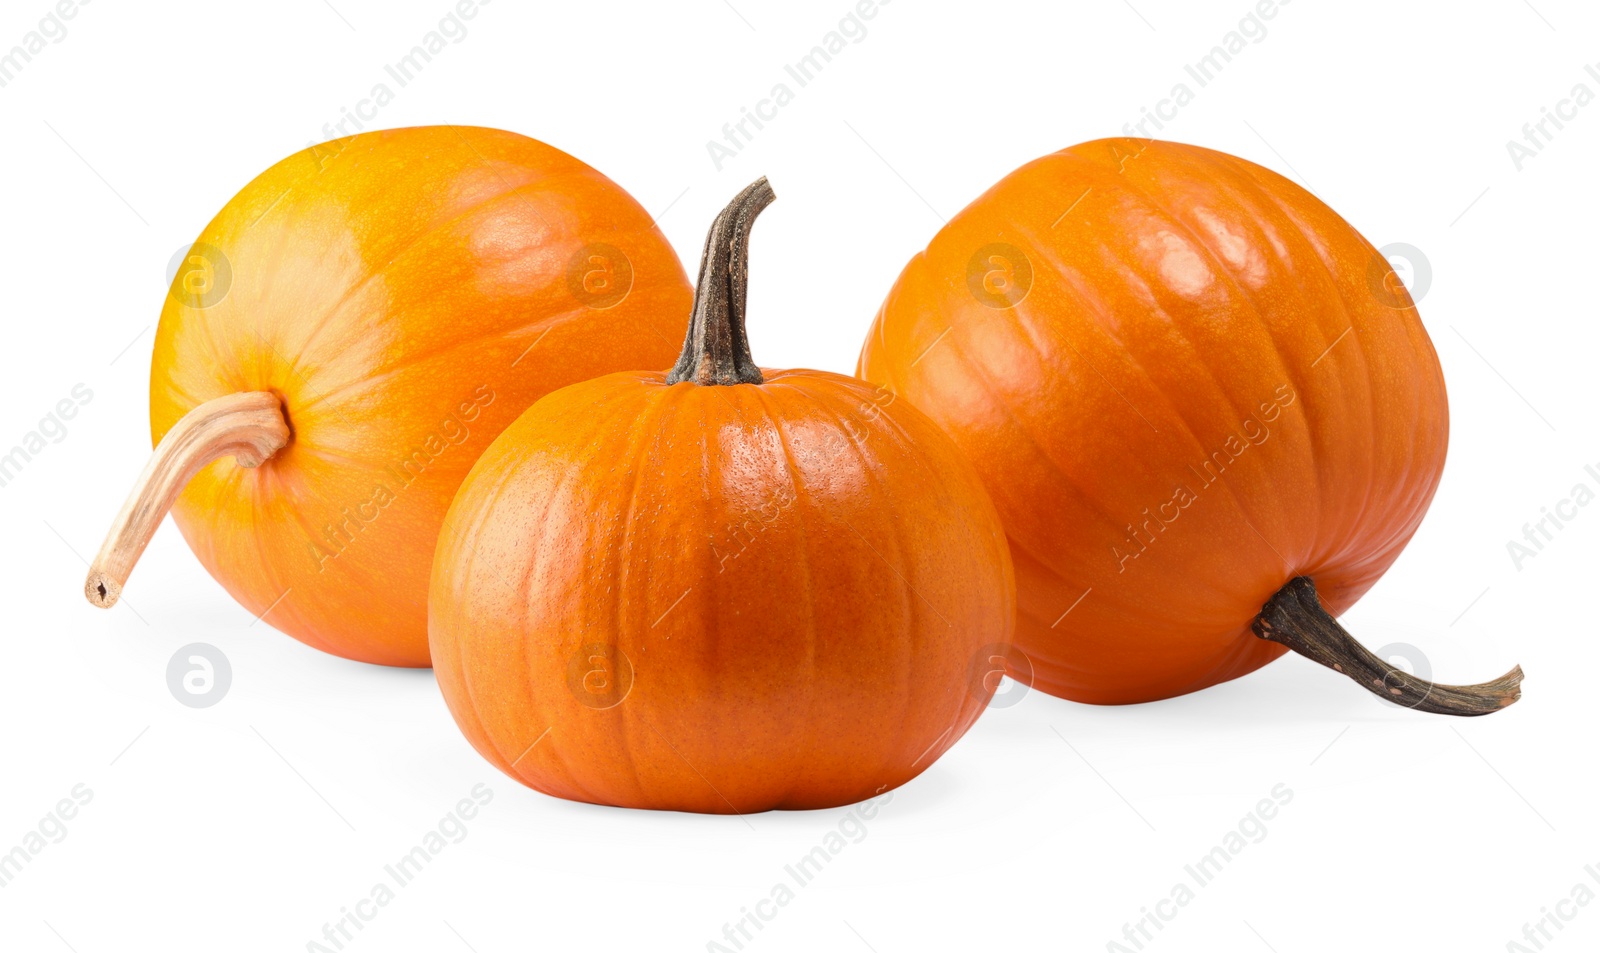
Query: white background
(249, 825)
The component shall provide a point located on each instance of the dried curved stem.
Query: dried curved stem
(716, 351)
(250, 427)
(1294, 617)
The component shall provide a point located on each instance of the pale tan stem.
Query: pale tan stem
(249, 427)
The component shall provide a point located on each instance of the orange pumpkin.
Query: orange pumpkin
(1205, 407)
(719, 589)
(359, 322)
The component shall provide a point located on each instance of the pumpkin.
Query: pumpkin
(720, 589)
(348, 334)
(1204, 405)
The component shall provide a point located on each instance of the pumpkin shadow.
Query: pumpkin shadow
(1285, 694)
(931, 792)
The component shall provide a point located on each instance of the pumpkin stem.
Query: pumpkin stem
(1294, 617)
(716, 351)
(249, 426)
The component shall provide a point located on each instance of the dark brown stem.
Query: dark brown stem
(716, 351)
(1295, 618)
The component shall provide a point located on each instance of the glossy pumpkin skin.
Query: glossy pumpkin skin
(719, 598)
(407, 293)
(1212, 384)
